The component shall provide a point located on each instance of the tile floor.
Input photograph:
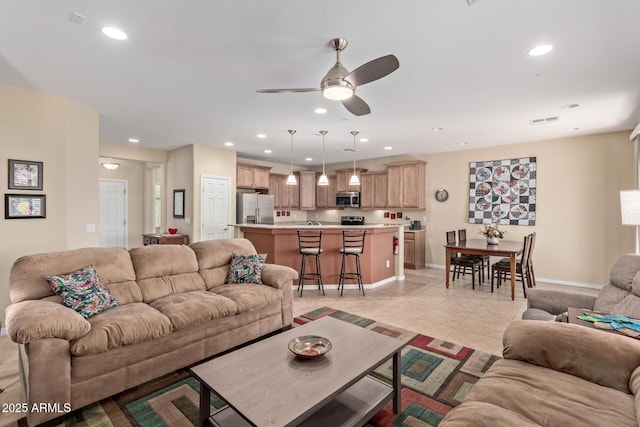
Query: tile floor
(421, 303)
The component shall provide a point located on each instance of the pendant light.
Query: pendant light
(354, 178)
(323, 178)
(291, 179)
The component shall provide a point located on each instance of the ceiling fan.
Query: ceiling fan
(339, 84)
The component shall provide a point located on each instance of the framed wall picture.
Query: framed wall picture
(25, 206)
(178, 203)
(25, 175)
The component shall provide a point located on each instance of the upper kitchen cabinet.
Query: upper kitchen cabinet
(344, 175)
(252, 176)
(326, 194)
(285, 196)
(373, 190)
(307, 183)
(406, 184)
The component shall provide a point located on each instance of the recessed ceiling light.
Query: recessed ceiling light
(229, 144)
(364, 139)
(388, 148)
(114, 33)
(320, 110)
(570, 106)
(464, 143)
(267, 151)
(437, 129)
(543, 49)
(261, 136)
(573, 129)
(308, 159)
(134, 140)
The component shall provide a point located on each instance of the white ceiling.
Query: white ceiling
(189, 71)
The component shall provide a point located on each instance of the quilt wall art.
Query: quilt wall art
(503, 191)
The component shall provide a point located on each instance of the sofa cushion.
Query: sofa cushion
(112, 264)
(482, 414)
(624, 270)
(629, 306)
(538, 314)
(246, 268)
(163, 270)
(214, 257)
(608, 297)
(82, 291)
(549, 397)
(250, 296)
(32, 320)
(121, 326)
(190, 308)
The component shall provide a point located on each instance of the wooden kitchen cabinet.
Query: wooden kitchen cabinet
(252, 176)
(326, 194)
(414, 249)
(373, 190)
(284, 196)
(342, 179)
(406, 185)
(307, 183)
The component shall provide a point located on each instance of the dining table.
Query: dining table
(505, 248)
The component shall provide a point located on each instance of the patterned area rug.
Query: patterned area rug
(436, 376)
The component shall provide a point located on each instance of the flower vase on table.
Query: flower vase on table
(492, 240)
(492, 233)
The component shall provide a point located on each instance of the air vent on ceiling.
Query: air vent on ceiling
(472, 2)
(544, 121)
(77, 18)
(346, 150)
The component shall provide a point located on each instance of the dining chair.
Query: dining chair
(461, 263)
(484, 259)
(501, 270)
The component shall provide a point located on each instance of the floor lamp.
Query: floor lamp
(630, 209)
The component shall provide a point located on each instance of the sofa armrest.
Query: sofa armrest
(557, 302)
(32, 320)
(597, 356)
(278, 276)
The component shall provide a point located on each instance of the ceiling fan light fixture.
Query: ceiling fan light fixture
(337, 92)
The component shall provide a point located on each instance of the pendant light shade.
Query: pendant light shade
(323, 178)
(354, 178)
(291, 179)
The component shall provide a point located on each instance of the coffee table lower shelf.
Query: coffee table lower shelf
(353, 407)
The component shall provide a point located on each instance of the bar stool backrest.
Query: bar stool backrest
(309, 241)
(353, 241)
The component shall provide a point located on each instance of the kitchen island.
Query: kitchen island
(280, 243)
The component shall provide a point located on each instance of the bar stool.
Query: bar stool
(309, 244)
(352, 245)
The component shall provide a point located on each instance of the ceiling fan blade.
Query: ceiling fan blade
(356, 106)
(305, 89)
(373, 70)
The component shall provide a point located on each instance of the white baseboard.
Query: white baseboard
(355, 285)
(545, 280)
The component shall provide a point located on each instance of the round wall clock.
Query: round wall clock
(442, 195)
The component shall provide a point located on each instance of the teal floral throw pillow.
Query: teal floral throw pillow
(246, 268)
(82, 291)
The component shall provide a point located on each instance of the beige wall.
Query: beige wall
(180, 175)
(579, 234)
(47, 128)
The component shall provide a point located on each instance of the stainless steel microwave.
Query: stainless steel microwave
(348, 199)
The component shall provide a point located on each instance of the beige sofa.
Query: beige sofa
(556, 374)
(174, 309)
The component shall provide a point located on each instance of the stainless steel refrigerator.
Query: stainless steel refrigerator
(254, 208)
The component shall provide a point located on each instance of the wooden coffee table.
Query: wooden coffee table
(265, 384)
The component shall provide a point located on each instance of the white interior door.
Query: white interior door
(216, 197)
(113, 212)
